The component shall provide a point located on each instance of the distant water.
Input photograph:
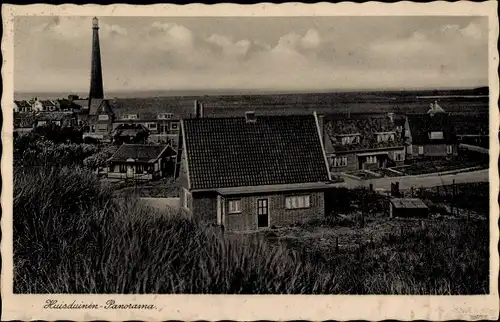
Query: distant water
(391, 94)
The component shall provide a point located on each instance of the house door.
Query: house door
(360, 163)
(262, 213)
(220, 210)
(130, 171)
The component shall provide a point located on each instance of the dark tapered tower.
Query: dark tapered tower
(96, 87)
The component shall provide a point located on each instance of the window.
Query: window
(436, 135)
(352, 139)
(262, 207)
(234, 206)
(58, 123)
(339, 161)
(103, 117)
(449, 149)
(384, 137)
(174, 126)
(420, 150)
(42, 123)
(371, 159)
(186, 199)
(152, 126)
(165, 116)
(139, 168)
(297, 202)
(130, 117)
(398, 156)
(123, 168)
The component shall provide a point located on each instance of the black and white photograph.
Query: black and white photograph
(250, 155)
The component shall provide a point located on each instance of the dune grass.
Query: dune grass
(72, 236)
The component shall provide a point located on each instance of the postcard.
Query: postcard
(250, 162)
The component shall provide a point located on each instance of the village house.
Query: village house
(62, 119)
(359, 142)
(24, 123)
(141, 162)
(100, 120)
(430, 135)
(22, 107)
(130, 133)
(38, 105)
(252, 172)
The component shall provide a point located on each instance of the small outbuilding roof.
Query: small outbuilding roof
(408, 203)
(142, 152)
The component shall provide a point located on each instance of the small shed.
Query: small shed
(407, 207)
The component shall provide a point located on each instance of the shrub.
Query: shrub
(71, 236)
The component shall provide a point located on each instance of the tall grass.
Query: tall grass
(71, 236)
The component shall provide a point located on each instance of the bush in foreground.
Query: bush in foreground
(71, 236)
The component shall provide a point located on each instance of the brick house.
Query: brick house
(430, 135)
(360, 142)
(252, 172)
(142, 162)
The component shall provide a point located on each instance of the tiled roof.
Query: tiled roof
(54, 116)
(129, 129)
(100, 106)
(141, 152)
(367, 127)
(422, 124)
(149, 108)
(228, 152)
(25, 120)
(22, 104)
(48, 103)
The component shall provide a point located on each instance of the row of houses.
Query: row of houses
(260, 171)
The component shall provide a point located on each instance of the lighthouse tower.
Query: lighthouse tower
(96, 86)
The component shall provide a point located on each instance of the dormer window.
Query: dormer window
(130, 117)
(385, 136)
(165, 116)
(437, 135)
(349, 139)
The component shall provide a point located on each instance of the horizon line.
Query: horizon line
(301, 91)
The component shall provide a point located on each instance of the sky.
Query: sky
(252, 53)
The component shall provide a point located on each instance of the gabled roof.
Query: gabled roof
(100, 106)
(22, 103)
(366, 126)
(48, 103)
(141, 152)
(129, 129)
(54, 116)
(274, 150)
(421, 124)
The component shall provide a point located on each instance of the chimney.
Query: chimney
(197, 109)
(250, 117)
(201, 110)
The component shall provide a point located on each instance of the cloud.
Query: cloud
(473, 30)
(311, 39)
(229, 48)
(176, 54)
(172, 34)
